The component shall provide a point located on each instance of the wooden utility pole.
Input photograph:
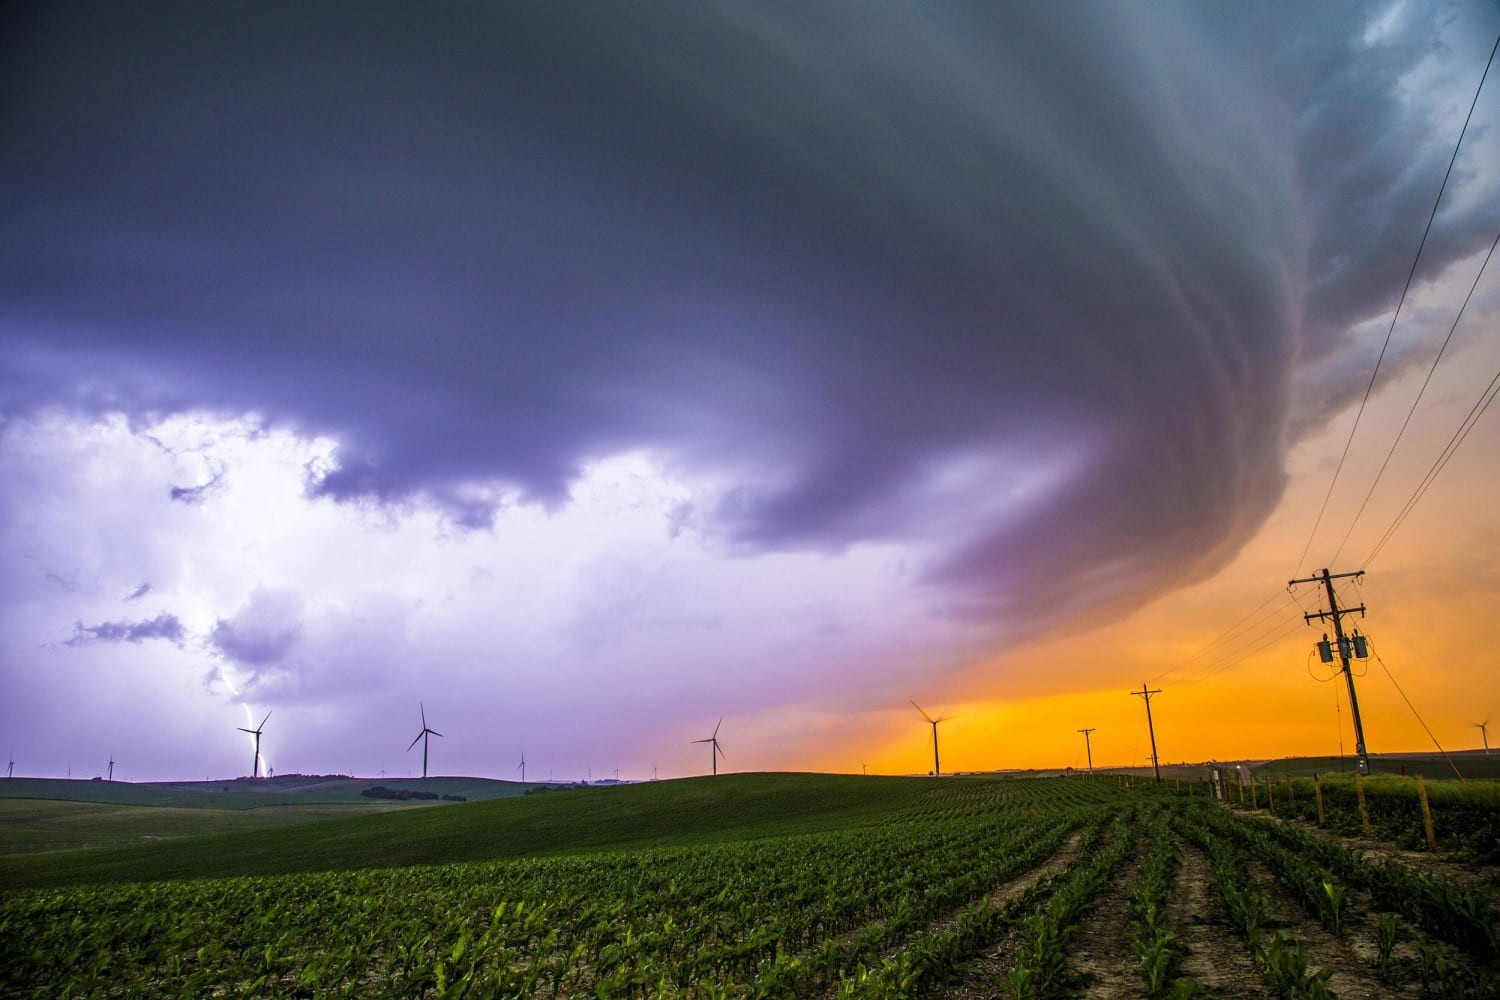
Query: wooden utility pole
(1336, 614)
(1143, 693)
(1088, 750)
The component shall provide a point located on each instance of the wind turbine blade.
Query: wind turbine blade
(423, 709)
(244, 730)
(920, 709)
(263, 721)
(434, 732)
(415, 741)
(720, 751)
(709, 740)
(716, 728)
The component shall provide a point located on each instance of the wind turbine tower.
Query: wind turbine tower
(1484, 731)
(111, 768)
(715, 753)
(10, 769)
(522, 768)
(255, 766)
(936, 767)
(422, 736)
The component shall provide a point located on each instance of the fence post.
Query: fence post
(1254, 802)
(1291, 798)
(1270, 798)
(1318, 790)
(1426, 814)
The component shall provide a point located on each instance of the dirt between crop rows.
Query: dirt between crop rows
(1100, 956)
(1479, 878)
(1351, 957)
(1216, 957)
(986, 977)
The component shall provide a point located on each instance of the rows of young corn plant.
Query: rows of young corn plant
(1281, 959)
(887, 910)
(1450, 929)
(1158, 952)
(775, 917)
(1465, 815)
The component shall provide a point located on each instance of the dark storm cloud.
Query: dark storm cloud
(837, 249)
(261, 633)
(163, 626)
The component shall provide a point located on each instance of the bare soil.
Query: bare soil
(1216, 957)
(1351, 957)
(1100, 957)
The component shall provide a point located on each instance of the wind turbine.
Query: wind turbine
(936, 769)
(1484, 730)
(522, 767)
(255, 767)
(111, 768)
(10, 769)
(715, 753)
(426, 732)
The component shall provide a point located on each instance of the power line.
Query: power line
(1400, 302)
(1285, 632)
(1415, 712)
(1456, 320)
(1220, 638)
(1476, 411)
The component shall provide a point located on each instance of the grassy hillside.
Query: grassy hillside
(666, 813)
(1472, 764)
(34, 825)
(243, 793)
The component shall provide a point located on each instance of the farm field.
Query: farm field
(242, 793)
(772, 886)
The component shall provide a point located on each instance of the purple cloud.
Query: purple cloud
(163, 626)
(838, 253)
(263, 632)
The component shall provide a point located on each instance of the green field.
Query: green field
(776, 885)
(243, 793)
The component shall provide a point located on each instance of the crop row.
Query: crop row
(782, 914)
(1465, 817)
(1450, 928)
(886, 910)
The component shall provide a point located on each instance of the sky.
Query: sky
(583, 375)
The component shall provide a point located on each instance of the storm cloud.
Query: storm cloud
(1040, 295)
(163, 626)
(261, 633)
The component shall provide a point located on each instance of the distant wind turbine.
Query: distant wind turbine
(522, 767)
(10, 769)
(111, 768)
(255, 767)
(936, 768)
(715, 753)
(426, 732)
(1484, 730)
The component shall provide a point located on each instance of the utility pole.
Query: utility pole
(1143, 693)
(1089, 750)
(1336, 613)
